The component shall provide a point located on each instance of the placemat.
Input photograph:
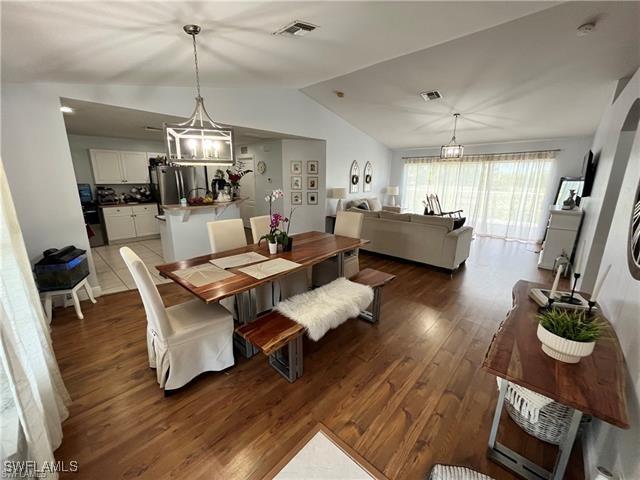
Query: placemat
(272, 267)
(238, 260)
(203, 274)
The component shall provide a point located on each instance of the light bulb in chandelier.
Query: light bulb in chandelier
(452, 149)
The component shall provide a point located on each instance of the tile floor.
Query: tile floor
(113, 274)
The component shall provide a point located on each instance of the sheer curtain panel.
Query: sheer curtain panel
(30, 368)
(502, 195)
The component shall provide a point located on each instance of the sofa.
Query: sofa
(421, 238)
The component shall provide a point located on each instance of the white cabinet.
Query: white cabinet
(128, 222)
(113, 166)
(119, 223)
(144, 218)
(562, 231)
(107, 167)
(135, 167)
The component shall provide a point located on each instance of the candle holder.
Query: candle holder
(592, 311)
(571, 299)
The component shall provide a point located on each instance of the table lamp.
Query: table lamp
(393, 191)
(340, 193)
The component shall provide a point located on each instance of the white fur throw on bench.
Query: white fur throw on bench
(327, 307)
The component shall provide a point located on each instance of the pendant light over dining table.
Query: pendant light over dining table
(452, 149)
(199, 140)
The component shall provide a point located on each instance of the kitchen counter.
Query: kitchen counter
(183, 230)
(130, 204)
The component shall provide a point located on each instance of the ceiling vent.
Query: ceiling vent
(296, 29)
(432, 95)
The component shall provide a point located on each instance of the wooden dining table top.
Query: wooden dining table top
(595, 386)
(308, 249)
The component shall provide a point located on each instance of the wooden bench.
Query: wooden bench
(273, 332)
(376, 280)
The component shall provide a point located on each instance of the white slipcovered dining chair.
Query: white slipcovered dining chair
(228, 235)
(291, 284)
(348, 224)
(183, 340)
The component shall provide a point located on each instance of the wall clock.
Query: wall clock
(368, 176)
(261, 167)
(354, 177)
(633, 243)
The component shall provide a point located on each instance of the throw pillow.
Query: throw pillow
(459, 222)
(363, 206)
(374, 204)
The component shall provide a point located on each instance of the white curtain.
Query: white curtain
(502, 195)
(30, 368)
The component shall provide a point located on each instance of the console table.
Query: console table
(595, 386)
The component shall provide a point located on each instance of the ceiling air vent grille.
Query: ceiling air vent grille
(296, 29)
(432, 95)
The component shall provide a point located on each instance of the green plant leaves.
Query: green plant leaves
(570, 324)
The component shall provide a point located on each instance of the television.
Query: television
(589, 167)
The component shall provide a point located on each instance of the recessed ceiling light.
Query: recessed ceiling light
(586, 29)
(64, 109)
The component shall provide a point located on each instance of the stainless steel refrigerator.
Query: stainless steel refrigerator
(170, 184)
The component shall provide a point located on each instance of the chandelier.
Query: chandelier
(451, 149)
(199, 140)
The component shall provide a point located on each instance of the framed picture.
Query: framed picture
(312, 167)
(296, 198)
(312, 183)
(312, 198)
(296, 182)
(296, 167)
(368, 178)
(354, 178)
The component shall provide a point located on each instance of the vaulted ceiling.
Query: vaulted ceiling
(514, 70)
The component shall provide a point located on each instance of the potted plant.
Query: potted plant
(274, 224)
(567, 335)
(285, 240)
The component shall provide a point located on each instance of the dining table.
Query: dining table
(308, 249)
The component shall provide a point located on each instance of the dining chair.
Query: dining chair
(291, 284)
(259, 227)
(348, 224)
(183, 340)
(228, 235)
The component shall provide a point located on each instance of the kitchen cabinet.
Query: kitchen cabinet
(112, 167)
(135, 167)
(107, 167)
(127, 222)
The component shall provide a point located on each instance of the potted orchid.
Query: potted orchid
(275, 221)
(284, 239)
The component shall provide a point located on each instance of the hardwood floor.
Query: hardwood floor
(404, 394)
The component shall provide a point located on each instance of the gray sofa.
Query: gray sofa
(421, 238)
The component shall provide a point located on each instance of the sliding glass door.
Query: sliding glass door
(501, 195)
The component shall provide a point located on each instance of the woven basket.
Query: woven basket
(553, 421)
(453, 472)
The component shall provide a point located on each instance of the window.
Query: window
(502, 195)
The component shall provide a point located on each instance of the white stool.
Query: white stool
(47, 298)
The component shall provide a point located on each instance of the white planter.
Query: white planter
(562, 349)
(273, 248)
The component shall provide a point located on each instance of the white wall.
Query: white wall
(569, 158)
(609, 446)
(270, 152)
(32, 111)
(599, 207)
(306, 217)
(80, 145)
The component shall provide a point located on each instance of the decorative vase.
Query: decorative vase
(561, 349)
(570, 202)
(273, 248)
(286, 247)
